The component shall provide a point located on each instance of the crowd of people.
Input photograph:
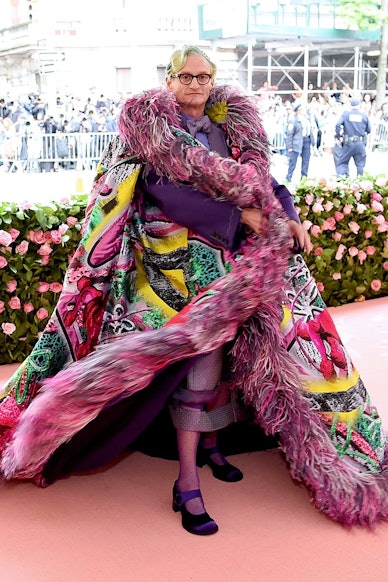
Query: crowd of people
(24, 120)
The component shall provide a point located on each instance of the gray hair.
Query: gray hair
(178, 59)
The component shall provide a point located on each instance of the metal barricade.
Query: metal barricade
(42, 152)
(37, 152)
(278, 141)
(379, 137)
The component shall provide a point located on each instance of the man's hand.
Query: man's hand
(253, 217)
(299, 233)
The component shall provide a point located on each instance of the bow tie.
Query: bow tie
(196, 125)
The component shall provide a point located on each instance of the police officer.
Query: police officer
(351, 134)
(300, 137)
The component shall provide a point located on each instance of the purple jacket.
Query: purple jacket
(217, 221)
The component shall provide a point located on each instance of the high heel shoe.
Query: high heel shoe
(225, 471)
(201, 524)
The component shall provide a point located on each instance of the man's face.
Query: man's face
(193, 94)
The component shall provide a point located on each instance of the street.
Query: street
(322, 166)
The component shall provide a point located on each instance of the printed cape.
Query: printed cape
(288, 361)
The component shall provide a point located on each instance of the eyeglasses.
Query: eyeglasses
(186, 78)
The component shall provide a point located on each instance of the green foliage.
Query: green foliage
(36, 242)
(348, 225)
(365, 14)
(346, 219)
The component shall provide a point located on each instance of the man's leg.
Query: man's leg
(337, 156)
(359, 157)
(189, 418)
(306, 154)
(292, 159)
(343, 160)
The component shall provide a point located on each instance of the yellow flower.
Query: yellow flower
(218, 112)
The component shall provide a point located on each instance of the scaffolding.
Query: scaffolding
(289, 68)
(291, 43)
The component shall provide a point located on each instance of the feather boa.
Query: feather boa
(248, 298)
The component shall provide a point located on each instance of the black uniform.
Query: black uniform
(351, 130)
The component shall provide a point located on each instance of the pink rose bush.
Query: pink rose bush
(347, 221)
(348, 224)
(36, 242)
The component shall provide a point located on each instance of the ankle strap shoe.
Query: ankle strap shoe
(200, 524)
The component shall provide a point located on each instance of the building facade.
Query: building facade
(57, 48)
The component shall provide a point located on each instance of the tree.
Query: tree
(370, 15)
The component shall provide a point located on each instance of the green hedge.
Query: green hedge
(346, 219)
(347, 222)
(36, 242)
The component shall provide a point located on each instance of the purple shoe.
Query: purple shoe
(225, 471)
(201, 524)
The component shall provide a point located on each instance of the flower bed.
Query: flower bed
(347, 221)
(36, 241)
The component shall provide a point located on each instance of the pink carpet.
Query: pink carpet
(117, 525)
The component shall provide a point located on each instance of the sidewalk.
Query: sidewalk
(323, 166)
(43, 187)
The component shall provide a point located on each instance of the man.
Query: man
(4, 110)
(299, 139)
(351, 134)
